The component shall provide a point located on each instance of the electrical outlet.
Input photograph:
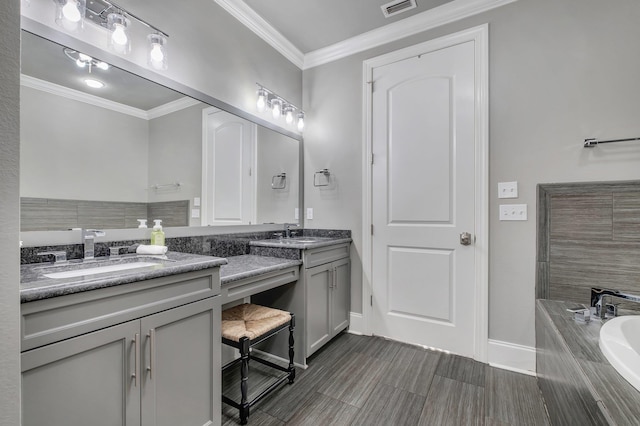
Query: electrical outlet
(296, 213)
(309, 213)
(195, 213)
(508, 190)
(513, 212)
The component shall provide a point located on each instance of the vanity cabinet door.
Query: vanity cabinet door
(340, 296)
(318, 328)
(181, 366)
(86, 380)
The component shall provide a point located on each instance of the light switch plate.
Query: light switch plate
(513, 212)
(196, 201)
(507, 189)
(309, 213)
(195, 213)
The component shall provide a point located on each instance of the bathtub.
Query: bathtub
(620, 344)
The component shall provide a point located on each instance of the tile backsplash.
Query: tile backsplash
(588, 236)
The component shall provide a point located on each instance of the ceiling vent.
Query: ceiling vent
(397, 6)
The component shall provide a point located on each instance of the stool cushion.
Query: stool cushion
(251, 321)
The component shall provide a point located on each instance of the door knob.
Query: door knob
(465, 239)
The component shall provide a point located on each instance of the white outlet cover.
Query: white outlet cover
(513, 212)
(296, 213)
(507, 189)
(196, 201)
(309, 213)
(195, 213)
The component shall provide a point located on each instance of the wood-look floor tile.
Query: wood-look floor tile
(379, 347)
(231, 417)
(354, 379)
(461, 369)
(513, 398)
(412, 369)
(454, 403)
(390, 406)
(323, 410)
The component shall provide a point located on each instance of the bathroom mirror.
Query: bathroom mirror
(132, 149)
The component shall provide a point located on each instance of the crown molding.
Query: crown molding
(438, 16)
(247, 16)
(170, 107)
(76, 95)
(441, 15)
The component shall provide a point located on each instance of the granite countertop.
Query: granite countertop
(618, 397)
(35, 286)
(246, 266)
(299, 243)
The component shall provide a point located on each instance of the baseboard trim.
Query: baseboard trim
(513, 357)
(355, 323)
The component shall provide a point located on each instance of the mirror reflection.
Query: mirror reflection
(102, 148)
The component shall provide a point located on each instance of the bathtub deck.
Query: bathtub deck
(576, 379)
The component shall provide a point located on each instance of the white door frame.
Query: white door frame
(480, 36)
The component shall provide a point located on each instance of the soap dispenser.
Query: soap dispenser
(157, 234)
(143, 223)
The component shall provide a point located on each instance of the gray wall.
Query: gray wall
(73, 150)
(276, 154)
(9, 212)
(559, 72)
(175, 155)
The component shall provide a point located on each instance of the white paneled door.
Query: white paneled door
(228, 186)
(423, 198)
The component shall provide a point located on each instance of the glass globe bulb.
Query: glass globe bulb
(119, 35)
(300, 122)
(288, 116)
(156, 53)
(71, 12)
(276, 108)
(261, 103)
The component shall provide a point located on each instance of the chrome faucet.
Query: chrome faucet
(88, 236)
(598, 301)
(287, 229)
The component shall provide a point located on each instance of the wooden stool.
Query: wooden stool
(244, 326)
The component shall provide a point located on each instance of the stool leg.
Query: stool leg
(244, 376)
(292, 370)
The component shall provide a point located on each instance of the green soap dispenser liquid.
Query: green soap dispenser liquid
(157, 234)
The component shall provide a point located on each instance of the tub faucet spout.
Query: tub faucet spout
(598, 300)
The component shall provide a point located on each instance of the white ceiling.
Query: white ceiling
(314, 24)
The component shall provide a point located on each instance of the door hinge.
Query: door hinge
(371, 302)
(372, 229)
(371, 85)
(372, 158)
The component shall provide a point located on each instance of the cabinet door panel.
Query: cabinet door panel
(341, 296)
(83, 381)
(318, 280)
(183, 386)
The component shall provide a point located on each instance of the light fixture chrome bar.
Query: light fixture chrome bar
(276, 96)
(591, 143)
(107, 6)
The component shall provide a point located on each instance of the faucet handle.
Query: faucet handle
(58, 256)
(115, 251)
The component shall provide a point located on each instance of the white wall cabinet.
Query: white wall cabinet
(160, 369)
(328, 293)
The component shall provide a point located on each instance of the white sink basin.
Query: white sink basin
(99, 270)
(620, 344)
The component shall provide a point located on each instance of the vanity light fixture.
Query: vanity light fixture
(279, 107)
(71, 14)
(84, 61)
(119, 39)
(157, 57)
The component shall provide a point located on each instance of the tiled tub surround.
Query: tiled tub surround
(577, 382)
(35, 286)
(222, 245)
(588, 236)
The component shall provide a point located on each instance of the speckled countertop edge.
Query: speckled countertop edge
(299, 245)
(34, 286)
(246, 266)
